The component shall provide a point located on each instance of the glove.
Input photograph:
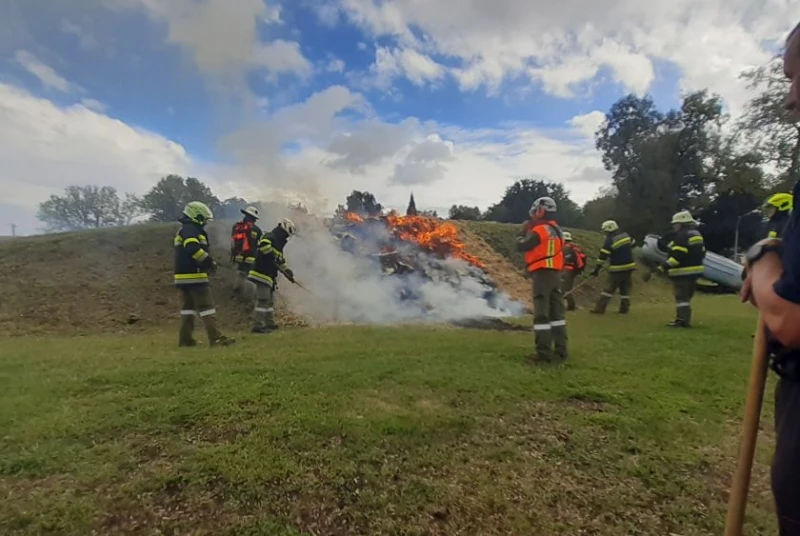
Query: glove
(596, 271)
(289, 275)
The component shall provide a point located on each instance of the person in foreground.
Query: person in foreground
(542, 242)
(772, 284)
(193, 263)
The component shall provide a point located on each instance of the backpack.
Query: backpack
(241, 238)
(580, 258)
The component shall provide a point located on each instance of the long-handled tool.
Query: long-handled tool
(752, 415)
(299, 284)
(579, 285)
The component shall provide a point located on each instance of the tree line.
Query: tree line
(694, 157)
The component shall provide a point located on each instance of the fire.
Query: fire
(431, 234)
(352, 217)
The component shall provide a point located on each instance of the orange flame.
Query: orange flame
(352, 217)
(431, 234)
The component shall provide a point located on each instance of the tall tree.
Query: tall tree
(767, 122)
(165, 201)
(84, 207)
(363, 203)
(515, 205)
(461, 212)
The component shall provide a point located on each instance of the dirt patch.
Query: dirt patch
(491, 324)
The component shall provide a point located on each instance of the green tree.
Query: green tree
(165, 201)
(85, 207)
(363, 203)
(515, 205)
(601, 208)
(769, 124)
(461, 212)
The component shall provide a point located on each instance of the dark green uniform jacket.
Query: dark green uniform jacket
(686, 254)
(253, 238)
(618, 249)
(192, 257)
(269, 258)
(777, 225)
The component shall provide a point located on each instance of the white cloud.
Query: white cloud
(392, 63)
(335, 65)
(85, 38)
(48, 77)
(282, 57)
(45, 147)
(564, 45)
(94, 105)
(587, 124)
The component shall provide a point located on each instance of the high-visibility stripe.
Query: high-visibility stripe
(621, 242)
(696, 240)
(264, 309)
(622, 267)
(203, 240)
(208, 312)
(683, 304)
(190, 241)
(680, 248)
(258, 277)
(772, 234)
(686, 270)
(604, 250)
(249, 260)
(541, 327)
(200, 255)
(621, 297)
(177, 241)
(188, 312)
(606, 294)
(672, 261)
(558, 323)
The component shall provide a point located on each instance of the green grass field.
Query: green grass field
(397, 431)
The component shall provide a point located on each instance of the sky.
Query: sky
(307, 100)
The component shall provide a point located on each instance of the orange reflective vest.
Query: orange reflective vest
(549, 253)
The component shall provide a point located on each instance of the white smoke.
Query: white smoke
(342, 287)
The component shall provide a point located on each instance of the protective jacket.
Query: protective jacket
(618, 250)
(574, 258)
(269, 258)
(776, 226)
(543, 246)
(245, 236)
(192, 257)
(686, 253)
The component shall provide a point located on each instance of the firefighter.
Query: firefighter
(574, 263)
(618, 250)
(269, 262)
(193, 263)
(684, 265)
(543, 243)
(777, 209)
(245, 236)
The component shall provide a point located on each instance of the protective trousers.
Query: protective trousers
(549, 326)
(567, 283)
(264, 312)
(622, 281)
(197, 301)
(786, 461)
(684, 291)
(241, 284)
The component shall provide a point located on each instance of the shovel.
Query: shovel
(752, 414)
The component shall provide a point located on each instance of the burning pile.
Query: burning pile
(431, 271)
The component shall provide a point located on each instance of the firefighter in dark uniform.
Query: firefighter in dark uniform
(269, 262)
(777, 209)
(684, 265)
(574, 263)
(244, 241)
(618, 250)
(543, 243)
(772, 284)
(193, 263)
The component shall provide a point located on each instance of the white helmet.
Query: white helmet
(288, 226)
(250, 211)
(544, 203)
(609, 226)
(684, 216)
(567, 236)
